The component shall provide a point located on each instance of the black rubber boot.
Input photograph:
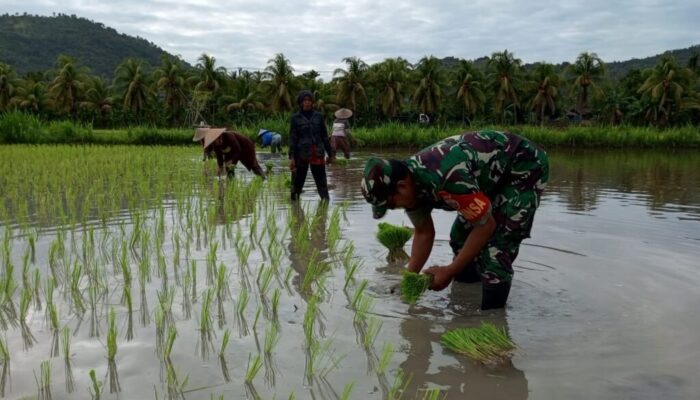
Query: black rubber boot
(494, 296)
(469, 274)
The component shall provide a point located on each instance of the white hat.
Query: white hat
(261, 131)
(211, 135)
(343, 113)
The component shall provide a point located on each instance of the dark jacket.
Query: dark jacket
(305, 132)
(308, 129)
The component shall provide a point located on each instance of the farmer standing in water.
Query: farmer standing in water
(494, 180)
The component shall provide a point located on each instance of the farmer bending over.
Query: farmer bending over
(230, 147)
(493, 180)
(272, 139)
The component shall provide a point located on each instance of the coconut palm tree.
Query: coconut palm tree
(245, 90)
(170, 80)
(132, 85)
(351, 83)
(8, 84)
(504, 78)
(468, 81)
(429, 88)
(279, 83)
(585, 70)
(31, 96)
(390, 78)
(98, 98)
(67, 88)
(546, 82)
(665, 86)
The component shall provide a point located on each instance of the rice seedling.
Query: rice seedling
(44, 382)
(143, 307)
(347, 390)
(394, 238)
(176, 389)
(320, 360)
(310, 319)
(264, 279)
(160, 325)
(255, 320)
(275, 302)
(186, 288)
(398, 388)
(165, 301)
(130, 314)
(224, 343)
(350, 272)
(5, 360)
(37, 290)
(254, 365)
(385, 358)
(53, 318)
(114, 386)
(205, 324)
(28, 338)
(93, 299)
(362, 309)
(240, 312)
(413, 285)
(271, 338)
(485, 344)
(434, 394)
(211, 263)
(31, 238)
(96, 389)
(374, 326)
(78, 302)
(70, 387)
(168, 344)
(193, 269)
(359, 293)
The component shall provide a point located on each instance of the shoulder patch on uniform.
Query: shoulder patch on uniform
(473, 207)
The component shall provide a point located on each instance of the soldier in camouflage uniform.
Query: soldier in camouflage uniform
(494, 181)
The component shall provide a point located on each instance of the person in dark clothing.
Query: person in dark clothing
(231, 147)
(308, 145)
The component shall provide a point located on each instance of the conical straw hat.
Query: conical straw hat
(211, 135)
(343, 113)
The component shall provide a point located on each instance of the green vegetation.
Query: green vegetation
(413, 285)
(486, 344)
(394, 238)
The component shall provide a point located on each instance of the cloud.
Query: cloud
(318, 34)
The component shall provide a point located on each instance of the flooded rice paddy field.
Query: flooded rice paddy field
(225, 288)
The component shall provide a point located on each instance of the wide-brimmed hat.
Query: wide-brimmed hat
(343, 113)
(262, 131)
(211, 135)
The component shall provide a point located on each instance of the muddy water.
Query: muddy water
(605, 297)
(603, 303)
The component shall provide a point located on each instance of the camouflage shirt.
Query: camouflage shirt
(461, 173)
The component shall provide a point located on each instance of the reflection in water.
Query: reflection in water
(661, 181)
(463, 377)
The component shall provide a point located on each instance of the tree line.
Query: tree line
(499, 91)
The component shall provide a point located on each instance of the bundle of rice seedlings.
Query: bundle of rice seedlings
(394, 238)
(486, 344)
(413, 285)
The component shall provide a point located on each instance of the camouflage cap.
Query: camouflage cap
(376, 185)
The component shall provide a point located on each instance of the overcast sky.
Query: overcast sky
(318, 34)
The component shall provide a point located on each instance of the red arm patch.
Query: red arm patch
(473, 207)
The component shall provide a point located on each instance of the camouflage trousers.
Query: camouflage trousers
(513, 206)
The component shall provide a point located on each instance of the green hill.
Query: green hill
(33, 43)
